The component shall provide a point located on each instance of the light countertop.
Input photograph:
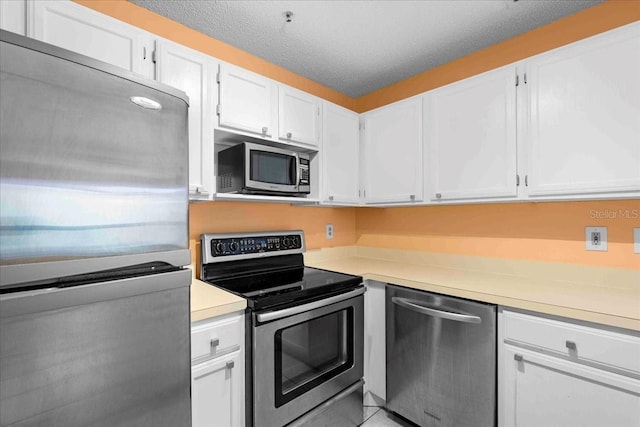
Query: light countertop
(606, 296)
(602, 295)
(208, 301)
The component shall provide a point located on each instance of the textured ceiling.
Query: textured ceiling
(357, 47)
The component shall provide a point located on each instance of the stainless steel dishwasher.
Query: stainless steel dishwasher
(441, 359)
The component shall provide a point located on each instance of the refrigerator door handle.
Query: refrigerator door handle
(450, 315)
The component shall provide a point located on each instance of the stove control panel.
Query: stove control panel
(246, 245)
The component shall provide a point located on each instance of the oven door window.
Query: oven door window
(273, 168)
(310, 353)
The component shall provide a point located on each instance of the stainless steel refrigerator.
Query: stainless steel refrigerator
(94, 296)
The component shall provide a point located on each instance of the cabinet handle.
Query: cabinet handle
(288, 135)
(412, 197)
(518, 357)
(330, 197)
(571, 345)
(215, 342)
(526, 180)
(265, 130)
(438, 196)
(230, 364)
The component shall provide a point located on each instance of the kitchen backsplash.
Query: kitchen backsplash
(552, 232)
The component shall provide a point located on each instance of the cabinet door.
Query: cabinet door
(541, 390)
(584, 114)
(247, 101)
(392, 153)
(340, 154)
(193, 72)
(85, 31)
(13, 16)
(470, 131)
(298, 116)
(216, 392)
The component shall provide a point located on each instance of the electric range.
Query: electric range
(304, 329)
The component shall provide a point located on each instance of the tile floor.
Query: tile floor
(375, 416)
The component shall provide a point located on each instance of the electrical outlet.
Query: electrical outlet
(596, 238)
(636, 240)
(329, 231)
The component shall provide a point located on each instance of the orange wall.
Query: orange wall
(532, 231)
(591, 21)
(171, 30)
(224, 217)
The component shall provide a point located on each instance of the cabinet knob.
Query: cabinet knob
(330, 197)
(518, 357)
(230, 364)
(412, 197)
(571, 345)
(265, 130)
(288, 135)
(215, 342)
(438, 196)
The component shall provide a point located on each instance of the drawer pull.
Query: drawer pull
(570, 345)
(215, 342)
(518, 357)
(230, 364)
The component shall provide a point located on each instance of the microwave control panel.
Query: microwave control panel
(304, 171)
(254, 245)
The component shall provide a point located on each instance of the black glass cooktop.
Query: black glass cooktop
(277, 286)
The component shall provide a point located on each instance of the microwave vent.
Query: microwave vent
(226, 181)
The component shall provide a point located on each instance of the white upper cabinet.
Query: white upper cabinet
(340, 155)
(392, 153)
(85, 31)
(194, 73)
(247, 101)
(470, 132)
(13, 16)
(584, 132)
(298, 116)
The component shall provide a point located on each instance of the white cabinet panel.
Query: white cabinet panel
(216, 392)
(340, 154)
(298, 116)
(546, 391)
(194, 73)
(13, 16)
(375, 367)
(217, 372)
(392, 153)
(247, 101)
(470, 130)
(85, 31)
(561, 373)
(585, 116)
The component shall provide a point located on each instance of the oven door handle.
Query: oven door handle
(279, 314)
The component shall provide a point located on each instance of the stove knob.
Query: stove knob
(218, 248)
(286, 242)
(233, 246)
(295, 241)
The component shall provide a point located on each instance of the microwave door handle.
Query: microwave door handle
(297, 171)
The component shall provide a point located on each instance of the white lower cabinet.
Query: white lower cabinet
(556, 373)
(375, 384)
(217, 372)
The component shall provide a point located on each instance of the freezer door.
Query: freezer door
(441, 359)
(110, 354)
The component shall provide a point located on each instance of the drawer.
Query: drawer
(578, 342)
(217, 337)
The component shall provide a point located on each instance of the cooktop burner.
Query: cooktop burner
(268, 276)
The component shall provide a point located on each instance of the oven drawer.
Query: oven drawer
(575, 341)
(215, 338)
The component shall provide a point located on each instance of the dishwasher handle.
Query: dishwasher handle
(414, 306)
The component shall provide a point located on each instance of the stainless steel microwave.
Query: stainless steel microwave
(261, 169)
